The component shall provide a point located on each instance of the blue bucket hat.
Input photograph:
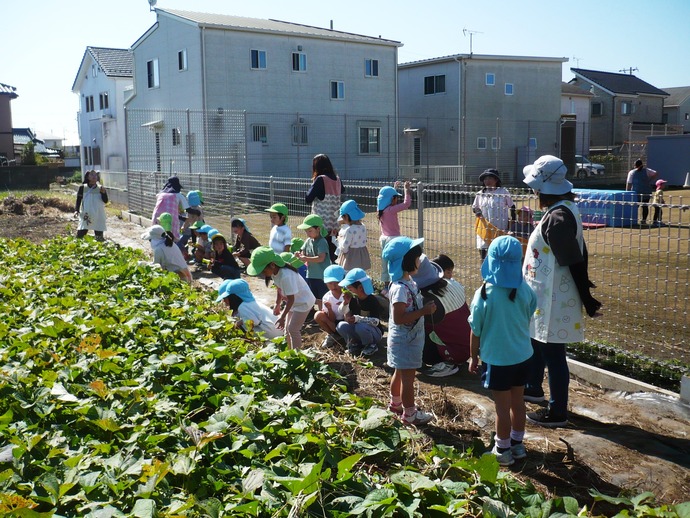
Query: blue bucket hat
(212, 233)
(503, 264)
(238, 287)
(352, 210)
(395, 250)
(333, 273)
(385, 197)
(242, 222)
(194, 198)
(358, 275)
(205, 229)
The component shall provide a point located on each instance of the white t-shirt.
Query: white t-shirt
(292, 283)
(279, 238)
(335, 304)
(169, 257)
(262, 316)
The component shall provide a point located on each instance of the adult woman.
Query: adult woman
(90, 206)
(555, 267)
(171, 200)
(324, 196)
(493, 203)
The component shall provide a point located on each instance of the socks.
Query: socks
(516, 437)
(502, 444)
(410, 410)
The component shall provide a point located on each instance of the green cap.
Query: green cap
(290, 259)
(313, 220)
(165, 221)
(280, 208)
(297, 244)
(261, 257)
(197, 225)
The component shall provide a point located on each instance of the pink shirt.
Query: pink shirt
(389, 224)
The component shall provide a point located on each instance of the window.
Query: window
(627, 108)
(434, 85)
(687, 116)
(182, 60)
(532, 143)
(153, 79)
(597, 109)
(509, 89)
(490, 79)
(495, 143)
(94, 70)
(103, 103)
(417, 151)
(260, 133)
(481, 142)
(299, 62)
(258, 59)
(371, 67)
(369, 140)
(176, 136)
(300, 134)
(337, 90)
(88, 103)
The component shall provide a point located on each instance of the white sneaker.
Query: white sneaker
(442, 369)
(330, 342)
(370, 350)
(418, 418)
(504, 459)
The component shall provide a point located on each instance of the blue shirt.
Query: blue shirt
(502, 325)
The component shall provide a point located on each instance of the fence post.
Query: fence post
(420, 209)
(271, 191)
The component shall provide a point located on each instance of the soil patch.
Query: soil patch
(615, 443)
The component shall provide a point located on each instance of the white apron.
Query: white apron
(92, 211)
(558, 318)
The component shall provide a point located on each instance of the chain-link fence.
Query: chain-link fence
(641, 272)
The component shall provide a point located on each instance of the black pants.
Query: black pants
(97, 233)
(644, 203)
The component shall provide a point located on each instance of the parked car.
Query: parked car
(586, 168)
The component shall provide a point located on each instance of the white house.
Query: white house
(479, 111)
(263, 97)
(575, 102)
(677, 107)
(103, 81)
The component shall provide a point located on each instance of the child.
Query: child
(245, 242)
(297, 244)
(280, 238)
(203, 247)
(332, 314)
(194, 213)
(388, 204)
(657, 201)
(299, 298)
(223, 263)
(315, 254)
(361, 326)
(405, 327)
(523, 226)
(500, 317)
(90, 207)
(237, 296)
(164, 253)
(352, 238)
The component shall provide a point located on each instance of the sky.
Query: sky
(45, 40)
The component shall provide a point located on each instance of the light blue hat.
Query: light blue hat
(243, 222)
(503, 264)
(212, 233)
(334, 273)
(358, 275)
(194, 198)
(395, 250)
(238, 287)
(205, 229)
(385, 197)
(352, 210)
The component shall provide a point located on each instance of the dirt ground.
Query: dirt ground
(615, 443)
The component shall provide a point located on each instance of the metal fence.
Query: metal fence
(641, 272)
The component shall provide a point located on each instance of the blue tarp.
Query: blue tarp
(607, 207)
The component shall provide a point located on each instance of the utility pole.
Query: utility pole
(629, 70)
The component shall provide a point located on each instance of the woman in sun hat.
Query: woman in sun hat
(555, 267)
(299, 300)
(172, 201)
(493, 203)
(237, 296)
(500, 315)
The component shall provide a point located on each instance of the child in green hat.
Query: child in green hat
(280, 238)
(315, 254)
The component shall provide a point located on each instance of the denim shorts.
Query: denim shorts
(317, 287)
(505, 377)
(405, 348)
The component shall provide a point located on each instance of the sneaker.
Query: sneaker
(370, 350)
(442, 369)
(330, 342)
(396, 409)
(532, 396)
(518, 451)
(544, 417)
(504, 458)
(418, 418)
(354, 348)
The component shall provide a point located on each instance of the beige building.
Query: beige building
(7, 93)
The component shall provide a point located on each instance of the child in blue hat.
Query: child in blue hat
(237, 296)
(500, 316)
(361, 326)
(405, 326)
(389, 203)
(331, 313)
(352, 238)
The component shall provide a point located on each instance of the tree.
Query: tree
(28, 156)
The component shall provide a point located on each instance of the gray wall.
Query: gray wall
(670, 156)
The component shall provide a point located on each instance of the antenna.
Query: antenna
(465, 32)
(577, 61)
(152, 4)
(629, 70)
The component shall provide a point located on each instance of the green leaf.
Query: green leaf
(144, 508)
(345, 466)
